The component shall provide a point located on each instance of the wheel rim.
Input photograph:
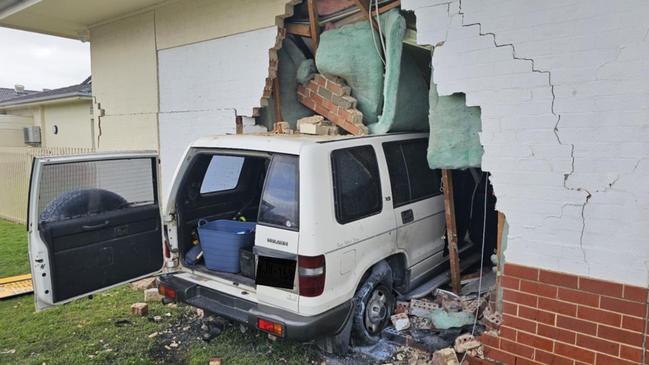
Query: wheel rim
(377, 310)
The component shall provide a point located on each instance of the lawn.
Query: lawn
(101, 330)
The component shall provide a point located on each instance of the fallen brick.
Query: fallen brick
(140, 309)
(445, 356)
(143, 284)
(152, 295)
(400, 321)
(422, 307)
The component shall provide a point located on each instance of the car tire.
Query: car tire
(81, 202)
(374, 303)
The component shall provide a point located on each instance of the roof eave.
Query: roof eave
(45, 100)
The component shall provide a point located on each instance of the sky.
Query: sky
(39, 61)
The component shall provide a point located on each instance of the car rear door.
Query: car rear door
(418, 204)
(94, 223)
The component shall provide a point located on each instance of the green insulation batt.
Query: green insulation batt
(392, 102)
(405, 104)
(454, 142)
(349, 52)
(290, 59)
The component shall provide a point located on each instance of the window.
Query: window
(222, 174)
(280, 200)
(424, 182)
(398, 173)
(78, 189)
(410, 176)
(357, 185)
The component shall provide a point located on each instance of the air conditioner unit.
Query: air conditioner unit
(32, 135)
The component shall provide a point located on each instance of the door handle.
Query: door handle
(95, 226)
(407, 216)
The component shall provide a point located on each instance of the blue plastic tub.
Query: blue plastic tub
(221, 241)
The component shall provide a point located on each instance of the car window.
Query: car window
(398, 173)
(280, 200)
(72, 190)
(222, 173)
(424, 182)
(410, 177)
(357, 185)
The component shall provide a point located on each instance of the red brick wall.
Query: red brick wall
(557, 318)
(331, 99)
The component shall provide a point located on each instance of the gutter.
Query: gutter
(63, 98)
(10, 7)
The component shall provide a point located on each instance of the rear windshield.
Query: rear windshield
(280, 199)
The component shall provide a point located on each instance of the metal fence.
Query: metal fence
(15, 170)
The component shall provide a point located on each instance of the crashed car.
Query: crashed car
(337, 226)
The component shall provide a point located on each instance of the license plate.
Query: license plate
(272, 271)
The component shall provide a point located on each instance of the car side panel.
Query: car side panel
(350, 249)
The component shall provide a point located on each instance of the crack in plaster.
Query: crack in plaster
(566, 176)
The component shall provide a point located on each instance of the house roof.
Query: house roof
(83, 89)
(10, 93)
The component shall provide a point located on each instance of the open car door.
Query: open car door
(94, 223)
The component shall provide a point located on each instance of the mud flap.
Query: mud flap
(339, 343)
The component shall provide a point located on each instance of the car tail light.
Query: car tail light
(274, 328)
(167, 291)
(311, 273)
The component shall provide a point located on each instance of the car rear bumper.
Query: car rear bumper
(297, 327)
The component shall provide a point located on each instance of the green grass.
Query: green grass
(101, 330)
(13, 249)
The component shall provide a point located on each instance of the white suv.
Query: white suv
(341, 225)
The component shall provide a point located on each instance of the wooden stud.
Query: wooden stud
(392, 5)
(451, 229)
(499, 239)
(314, 25)
(364, 5)
(238, 121)
(302, 30)
(277, 100)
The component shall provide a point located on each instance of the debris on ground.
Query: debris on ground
(468, 343)
(215, 361)
(491, 319)
(152, 295)
(400, 321)
(140, 309)
(143, 284)
(443, 323)
(445, 356)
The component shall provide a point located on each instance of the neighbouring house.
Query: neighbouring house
(32, 123)
(17, 91)
(64, 117)
(563, 94)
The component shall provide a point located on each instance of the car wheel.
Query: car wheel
(373, 305)
(81, 202)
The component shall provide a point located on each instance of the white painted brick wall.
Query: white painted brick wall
(593, 56)
(204, 86)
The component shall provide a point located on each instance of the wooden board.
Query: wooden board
(451, 229)
(314, 25)
(15, 285)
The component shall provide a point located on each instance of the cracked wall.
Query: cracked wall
(563, 88)
(186, 69)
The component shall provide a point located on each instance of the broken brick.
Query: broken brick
(445, 356)
(152, 295)
(140, 309)
(401, 307)
(422, 307)
(329, 97)
(400, 321)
